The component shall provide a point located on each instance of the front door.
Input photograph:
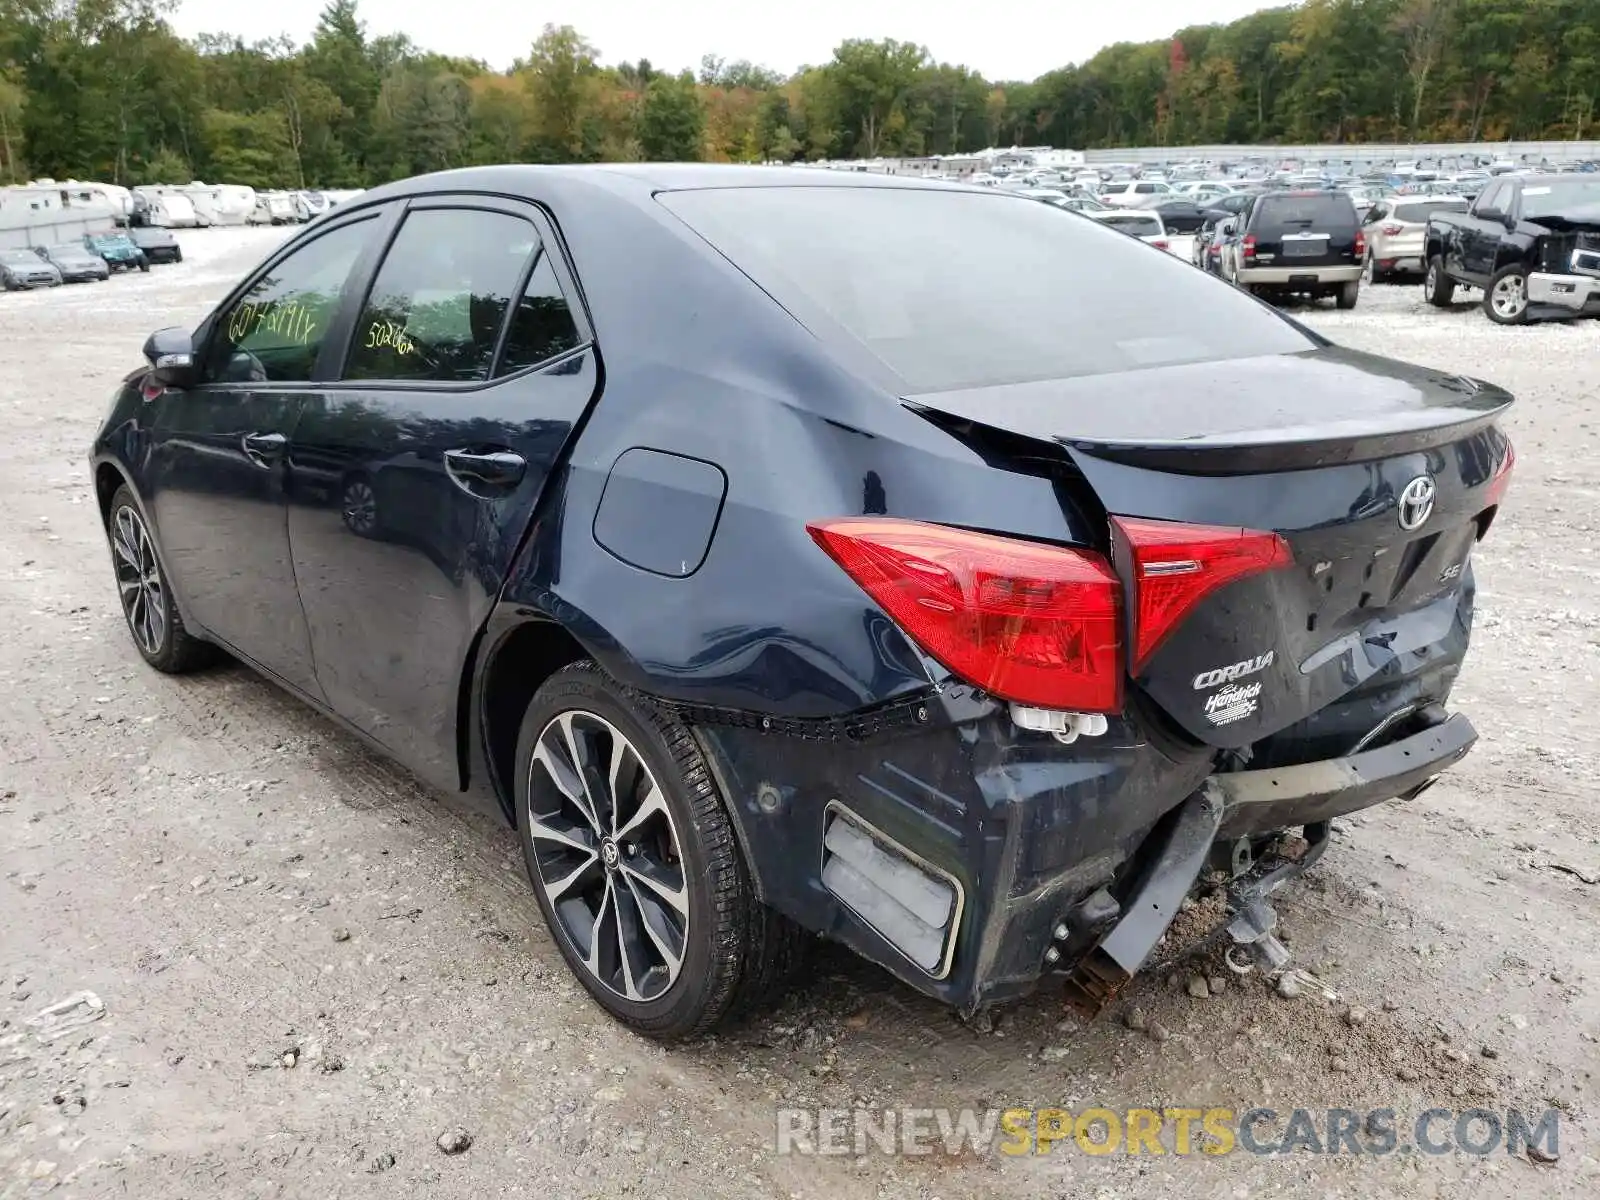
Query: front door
(217, 478)
(413, 475)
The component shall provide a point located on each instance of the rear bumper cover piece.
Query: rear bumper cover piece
(1285, 275)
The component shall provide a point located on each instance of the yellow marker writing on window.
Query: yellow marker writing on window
(387, 333)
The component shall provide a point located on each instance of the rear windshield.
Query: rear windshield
(1418, 210)
(953, 289)
(1141, 226)
(1324, 211)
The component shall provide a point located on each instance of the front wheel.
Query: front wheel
(1506, 298)
(1438, 289)
(1348, 294)
(635, 863)
(147, 604)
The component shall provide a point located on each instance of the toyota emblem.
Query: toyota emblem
(1416, 502)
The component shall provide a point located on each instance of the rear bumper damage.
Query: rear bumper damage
(972, 859)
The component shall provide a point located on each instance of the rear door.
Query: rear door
(216, 473)
(1306, 229)
(414, 475)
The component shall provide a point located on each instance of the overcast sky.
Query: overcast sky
(1004, 39)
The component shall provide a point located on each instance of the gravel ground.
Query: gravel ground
(311, 967)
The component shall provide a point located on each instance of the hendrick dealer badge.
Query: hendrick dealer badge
(1233, 703)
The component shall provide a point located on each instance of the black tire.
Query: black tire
(1348, 294)
(177, 256)
(1372, 273)
(144, 265)
(734, 951)
(163, 642)
(1505, 300)
(1438, 289)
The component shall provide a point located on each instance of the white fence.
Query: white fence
(1518, 152)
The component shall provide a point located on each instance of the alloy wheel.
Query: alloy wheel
(607, 855)
(144, 600)
(1510, 297)
(359, 507)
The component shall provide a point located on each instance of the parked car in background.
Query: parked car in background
(1135, 193)
(1531, 242)
(1396, 230)
(1302, 242)
(76, 264)
(23, 269)
(121, 253)
(1179, 214)
(1146, 225)
(158, 245)
(1170, 583)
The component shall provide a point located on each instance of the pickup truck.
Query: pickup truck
(1531, 242)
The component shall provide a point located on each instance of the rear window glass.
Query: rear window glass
(953, 289)
(1324, 211)
(1418, 210)
(1140, 226)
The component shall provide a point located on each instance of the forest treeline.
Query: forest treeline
(105, 89)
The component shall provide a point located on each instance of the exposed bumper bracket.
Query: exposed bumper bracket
(1106, 970)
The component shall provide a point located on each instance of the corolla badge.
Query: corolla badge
(1416, 502)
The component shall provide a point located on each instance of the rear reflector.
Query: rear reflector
(1026, 622)
(1174, 566)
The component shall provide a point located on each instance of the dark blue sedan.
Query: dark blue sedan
(790, 552)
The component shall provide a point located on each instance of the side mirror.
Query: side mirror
(1490, 214)
(171, 356)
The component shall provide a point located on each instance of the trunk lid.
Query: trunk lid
(1320, 448)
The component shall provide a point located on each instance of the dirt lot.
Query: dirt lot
(238, 881)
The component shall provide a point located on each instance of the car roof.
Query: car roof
(644, 179)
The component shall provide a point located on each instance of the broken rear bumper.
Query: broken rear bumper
(1262, 801)
(1038, 849)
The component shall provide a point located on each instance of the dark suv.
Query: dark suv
(1305, 242)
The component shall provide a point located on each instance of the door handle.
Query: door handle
(498, 468)
(264, 448)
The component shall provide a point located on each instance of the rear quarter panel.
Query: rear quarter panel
(701, 363)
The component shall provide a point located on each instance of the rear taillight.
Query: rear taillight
(1036, 624)
(1361, 244)
(1248, 246)
(1393, 230)
(1159, 244)
(1174, 566)
(1501, 479)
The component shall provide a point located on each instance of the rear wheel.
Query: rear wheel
(1438, 289)
(147, 603)
(635, 863)
(1505, 300)
(1371, 273)
(1348, 294)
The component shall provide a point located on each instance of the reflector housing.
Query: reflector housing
(1174, 566)
(1024, 621)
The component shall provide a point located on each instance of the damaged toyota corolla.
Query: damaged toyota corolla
(791, 553)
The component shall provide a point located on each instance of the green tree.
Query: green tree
(671, 120)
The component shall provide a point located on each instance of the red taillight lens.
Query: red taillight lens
(1361, 244)
(1026, 622)
(1501, 479)
(1159, 244)
(1175, 566)
(1393, 230)
(1248, 246)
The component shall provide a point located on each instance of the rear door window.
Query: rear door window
(542, 326)
(439, 301)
